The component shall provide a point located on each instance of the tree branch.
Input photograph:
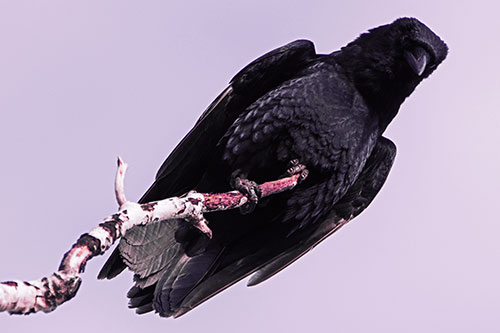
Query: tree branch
(45, 294)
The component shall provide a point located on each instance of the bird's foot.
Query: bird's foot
(248, 188)
(294, 168)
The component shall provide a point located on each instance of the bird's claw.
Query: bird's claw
(294, 168)
(250, 189)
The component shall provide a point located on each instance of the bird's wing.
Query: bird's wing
(219, 268)
(358, 197)
(148, 249)
(183, 168)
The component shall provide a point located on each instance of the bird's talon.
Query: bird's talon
(250, 189)
(303, 175)
(296, 168)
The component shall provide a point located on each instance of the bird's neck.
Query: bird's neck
(383, 86)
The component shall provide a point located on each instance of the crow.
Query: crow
(324, 112)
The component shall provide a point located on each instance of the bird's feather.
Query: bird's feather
(271, 257)
(182, 170)
(328, 111)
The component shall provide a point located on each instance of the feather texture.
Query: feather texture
(327, 111)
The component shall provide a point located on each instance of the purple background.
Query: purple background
(84, 81)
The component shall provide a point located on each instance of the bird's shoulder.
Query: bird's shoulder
(319, 93)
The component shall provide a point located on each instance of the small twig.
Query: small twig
(24, 297)
(119, 180)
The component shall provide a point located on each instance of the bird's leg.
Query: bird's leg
(248, 188)
(294, 168)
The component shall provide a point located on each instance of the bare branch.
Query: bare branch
(24, 297)
(119, 180)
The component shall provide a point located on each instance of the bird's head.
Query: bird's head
(388, 62)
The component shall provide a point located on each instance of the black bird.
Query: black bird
(326, 111)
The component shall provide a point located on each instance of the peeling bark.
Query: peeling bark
(45, 294)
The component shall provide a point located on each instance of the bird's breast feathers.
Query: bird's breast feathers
(319, 118)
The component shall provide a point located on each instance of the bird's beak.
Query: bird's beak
(417, 59)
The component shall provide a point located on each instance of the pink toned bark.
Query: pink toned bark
(45, 294)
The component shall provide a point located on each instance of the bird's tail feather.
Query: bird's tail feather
(181, 279)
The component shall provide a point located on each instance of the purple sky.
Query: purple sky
(84, 81)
